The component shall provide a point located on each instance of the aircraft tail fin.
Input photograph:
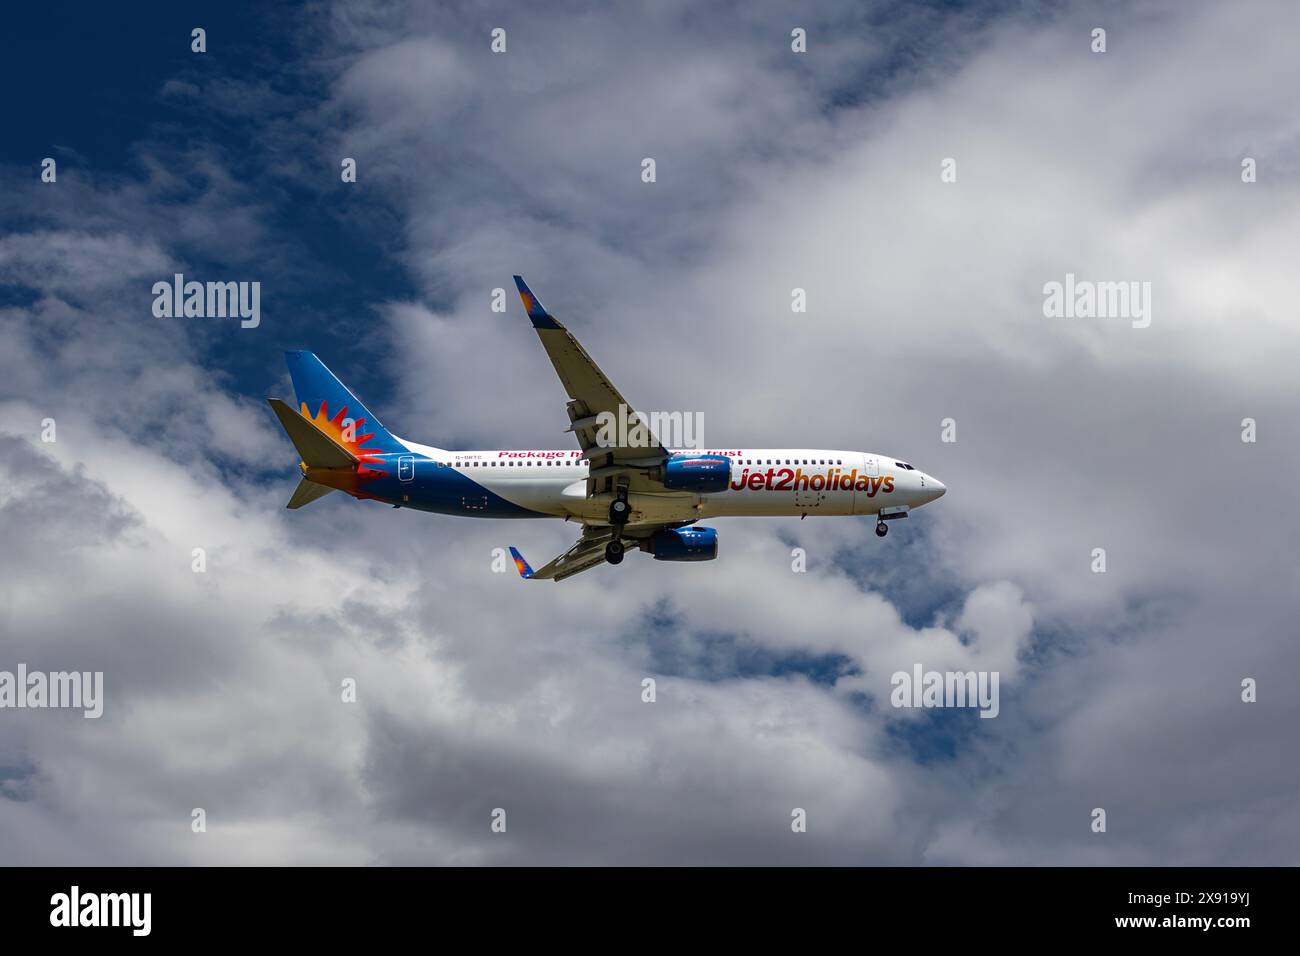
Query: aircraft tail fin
(307, 492)
(326, 400)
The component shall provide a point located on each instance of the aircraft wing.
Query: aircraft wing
(590, 395)
(588, 552)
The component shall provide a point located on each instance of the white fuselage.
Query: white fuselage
(764, 482)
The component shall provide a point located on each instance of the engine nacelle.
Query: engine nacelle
(702, 473)
(685, 544)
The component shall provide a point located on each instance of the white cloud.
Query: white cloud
(478, 690)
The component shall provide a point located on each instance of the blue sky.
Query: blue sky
(103, 103)
(776, 170)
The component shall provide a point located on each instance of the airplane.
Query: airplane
(626, 489)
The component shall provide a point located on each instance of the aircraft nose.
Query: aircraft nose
(934, 487)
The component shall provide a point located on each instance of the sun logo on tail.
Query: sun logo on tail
(344, 431)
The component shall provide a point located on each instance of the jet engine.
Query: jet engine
(684, 544)
(702, 473)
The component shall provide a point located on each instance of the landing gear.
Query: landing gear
(889, 514)
(619, 512)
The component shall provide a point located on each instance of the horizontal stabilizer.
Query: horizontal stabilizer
(317, 449)
(306, 493)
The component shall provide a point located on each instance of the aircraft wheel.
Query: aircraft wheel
(614, 552)
(882, 529)
(619, 510)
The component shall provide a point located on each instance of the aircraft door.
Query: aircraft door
(862, 504)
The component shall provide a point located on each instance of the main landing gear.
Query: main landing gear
(882, 529)
(619, 512)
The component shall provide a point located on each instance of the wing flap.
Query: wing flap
(591, 396)
(586, 553)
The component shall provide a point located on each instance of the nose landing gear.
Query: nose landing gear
(614, 551)
(889, 514)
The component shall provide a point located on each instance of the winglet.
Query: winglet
(525, 571)
(541, 318)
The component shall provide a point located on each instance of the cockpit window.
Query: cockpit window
(903, 464)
